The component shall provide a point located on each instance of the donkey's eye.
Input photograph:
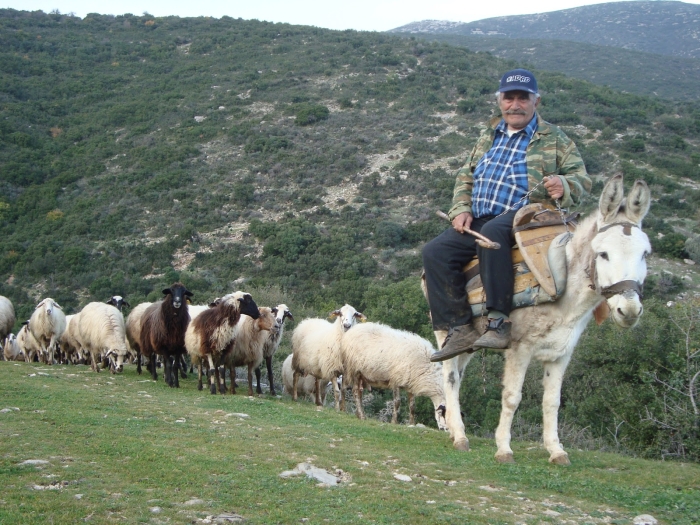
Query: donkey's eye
(604, 255)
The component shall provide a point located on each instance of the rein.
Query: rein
(619, 287)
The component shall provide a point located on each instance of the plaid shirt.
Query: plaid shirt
(500, 177)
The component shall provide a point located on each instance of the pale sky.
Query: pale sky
(366, 15)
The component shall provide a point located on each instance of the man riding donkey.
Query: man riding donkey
(517, 159)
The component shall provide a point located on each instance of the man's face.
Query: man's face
(517, 108)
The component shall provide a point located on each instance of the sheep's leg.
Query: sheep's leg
(223, 378)
(411, 409)
(232, 377)
(250, 380)
(152, 367)
(295, 381)
(138, 361)
(183, 367)
(200, 386)
(168, 370)
(513, 378)
(94, 363)
(175, 368)
(317, 392)
(357, 395)
(397, 406)
(258, 389)
(270, 375)
(338, 394)
(222, 387)
(552, 380)
(213, 375)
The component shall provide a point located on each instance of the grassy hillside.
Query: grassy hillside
(135, 451)
(305, 166)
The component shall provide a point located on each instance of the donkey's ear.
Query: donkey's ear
(638, 202)
(611, 198)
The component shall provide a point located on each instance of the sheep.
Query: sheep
(118, 302)
(11, 349)
(211, 333)
(281, 312)
(70, 346)
(316, 350)
(378, 355)
(47, 324)
(101, 331)
(29, 345)
(163, 328)
(7, 317)
(247, 347)
(306, 386)
(133, 332)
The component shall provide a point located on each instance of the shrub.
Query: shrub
(309, 114)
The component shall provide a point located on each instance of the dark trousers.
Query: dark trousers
(445, 256)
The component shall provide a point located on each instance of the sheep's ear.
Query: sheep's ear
(167, 291)
(111, 301)
(287, 313)
(126, 304)
(335, 313)
(188, 293)
(361, 317)
(274, 310)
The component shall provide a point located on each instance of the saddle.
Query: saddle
(539, 259)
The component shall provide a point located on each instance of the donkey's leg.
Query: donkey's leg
(452, 376)
(552, 380)
(517, 361)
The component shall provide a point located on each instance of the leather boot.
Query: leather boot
(497, 335)
(458, 341)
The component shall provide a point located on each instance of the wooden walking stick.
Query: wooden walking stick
(482, 241)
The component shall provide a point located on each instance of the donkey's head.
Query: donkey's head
(620, 249)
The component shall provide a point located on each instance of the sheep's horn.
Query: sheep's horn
(482, 241)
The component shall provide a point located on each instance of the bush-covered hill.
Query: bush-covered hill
(637, 72)
(231, 154)
(667, 28)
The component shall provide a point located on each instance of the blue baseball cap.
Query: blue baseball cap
(518, 79)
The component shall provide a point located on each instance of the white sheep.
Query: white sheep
(11, 349)
(118, 302)
(47, 324)
(29, 345)
(71, 349)
(7, 317)
(305, 386)
(247, 347)
(102, 333)
(211, 333)
(316, 350)
(281, 312)
(380, 356)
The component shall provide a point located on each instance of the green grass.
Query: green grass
(115, 446)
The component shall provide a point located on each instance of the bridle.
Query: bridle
(619, 287)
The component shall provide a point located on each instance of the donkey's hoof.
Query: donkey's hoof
(505, 457)
(462, 445)
(559, 458)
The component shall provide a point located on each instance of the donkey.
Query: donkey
(606, 264)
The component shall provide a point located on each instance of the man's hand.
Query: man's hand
(554, 187)
(462, 221)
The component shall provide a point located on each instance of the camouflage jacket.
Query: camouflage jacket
(550, 152)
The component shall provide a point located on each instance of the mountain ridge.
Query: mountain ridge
(667, 28)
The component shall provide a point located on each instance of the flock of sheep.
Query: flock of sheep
(232, 331)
